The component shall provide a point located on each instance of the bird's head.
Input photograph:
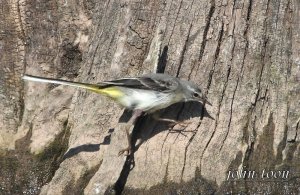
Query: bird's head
(194, 93)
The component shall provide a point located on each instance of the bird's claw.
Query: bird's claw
(180, 123)
(183, 124)
(127, 151)
(182, 131)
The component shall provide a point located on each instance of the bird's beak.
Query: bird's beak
(204, 101)
(207, 102)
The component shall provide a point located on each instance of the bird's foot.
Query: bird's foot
(126, 151)
(181, 131)
(173, 123)
(180, 123)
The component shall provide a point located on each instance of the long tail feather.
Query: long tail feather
(102, 88)
(92, 87)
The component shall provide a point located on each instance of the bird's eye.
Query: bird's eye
(196, 95)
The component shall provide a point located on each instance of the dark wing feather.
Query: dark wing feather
(152, 84)
(160, 84)
(157, 84)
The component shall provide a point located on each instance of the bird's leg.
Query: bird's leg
(126, 150)
(136, 114)
(171, 121)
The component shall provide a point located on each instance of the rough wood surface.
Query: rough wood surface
(244, 54)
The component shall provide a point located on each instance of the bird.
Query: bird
(143, 94)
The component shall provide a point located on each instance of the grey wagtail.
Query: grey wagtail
(143, 94)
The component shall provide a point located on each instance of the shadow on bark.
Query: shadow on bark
(87, 147)
(145, 128)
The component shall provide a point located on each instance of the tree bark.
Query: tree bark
(243, 54)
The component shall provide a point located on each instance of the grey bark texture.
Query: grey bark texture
(244, 54)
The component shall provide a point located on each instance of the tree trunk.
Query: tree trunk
(60, 140)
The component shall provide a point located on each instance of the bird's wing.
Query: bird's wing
(157, 83)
